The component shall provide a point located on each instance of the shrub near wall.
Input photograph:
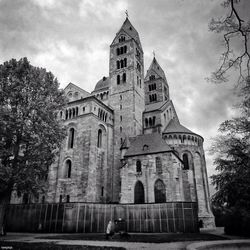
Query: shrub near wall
(237, 222)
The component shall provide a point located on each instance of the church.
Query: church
(125, 142)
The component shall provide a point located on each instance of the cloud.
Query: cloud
(71, 39)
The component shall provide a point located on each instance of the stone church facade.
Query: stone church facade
(125, 142)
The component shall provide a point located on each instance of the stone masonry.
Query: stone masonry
(125, 142)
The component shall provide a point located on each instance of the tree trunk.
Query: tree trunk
(4, 201)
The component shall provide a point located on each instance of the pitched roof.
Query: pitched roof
(102, 84)
(155, 66)
(128, 28)
(147, 144)
(175, 127)
(154, 106)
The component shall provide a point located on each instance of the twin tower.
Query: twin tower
(125, 143)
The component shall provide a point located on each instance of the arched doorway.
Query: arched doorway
(160, 192)
(139, 193)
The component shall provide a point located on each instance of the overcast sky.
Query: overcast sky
(72, 38)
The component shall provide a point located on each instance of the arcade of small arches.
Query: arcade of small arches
(121, 50)
(152, 86)
(121, 78)
(103, 95)
(168, 114)
(102, 115)
(153, 97)
(183, 139)
(150, 122)
(121, 63)
(152, 77)
(70, 113)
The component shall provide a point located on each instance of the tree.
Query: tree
(30, 132)
(232, 149)
(232, 146)
(236, 33)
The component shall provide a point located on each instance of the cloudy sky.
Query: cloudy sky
(71, 38)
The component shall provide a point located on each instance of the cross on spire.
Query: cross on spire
(126, 12)
(154, 53)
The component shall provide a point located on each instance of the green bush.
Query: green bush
(237, 223)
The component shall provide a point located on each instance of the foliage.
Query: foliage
(236, 33)
(232, 149)
(30, 132)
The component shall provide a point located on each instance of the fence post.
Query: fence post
(57, 207)
(77, 217)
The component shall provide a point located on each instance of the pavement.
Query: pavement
(36, 238)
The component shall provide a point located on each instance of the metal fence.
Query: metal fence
(93, 218)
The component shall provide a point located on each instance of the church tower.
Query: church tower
(126, 73)
(156, 85)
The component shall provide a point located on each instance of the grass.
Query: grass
(50, 246)
(146, 238)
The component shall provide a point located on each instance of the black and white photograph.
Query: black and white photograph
(124, 124)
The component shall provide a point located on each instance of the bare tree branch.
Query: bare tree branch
(234, 28)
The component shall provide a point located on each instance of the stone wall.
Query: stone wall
(171, 176)
(199, 188)
(91, 165)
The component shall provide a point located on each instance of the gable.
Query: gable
(73, 92)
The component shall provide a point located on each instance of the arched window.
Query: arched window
(66, 115)
(139, 193)
(185, 161)
(71, 138)
(118, 79)
(121, 64)
(117, 51)
(138, 166)
(70, 113)
(160, 192)
(125, 62)
(150, 122)
(117, 64)
(146, 122)
(153, 123)
(68, 168)
(124, 77)
(99, 139)
(61, 114)
(125, 49)
(76, 110)
(158, 164)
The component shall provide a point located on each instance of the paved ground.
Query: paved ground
(35, 238)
